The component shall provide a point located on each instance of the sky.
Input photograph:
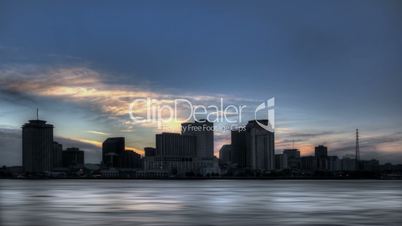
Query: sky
(332, 66)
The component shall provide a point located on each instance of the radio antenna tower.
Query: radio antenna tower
(357, 151)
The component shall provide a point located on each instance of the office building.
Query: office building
(130, 160)
(239, 147)
(281, 161)
(225, 153)
(111, 150)
(57, 155)
(321, 155)
(149, 151)
(203, 130)
(293, 158)
(73, 158)
(260, 146)
(37, 146)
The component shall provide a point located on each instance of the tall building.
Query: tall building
(111, 150)
(130, 160)
(73, 158)
(239, 147)
(293, 158)
(225, 153)
(308, 163)
(203, 130)
(175, 153)
(57, 155)
(37, 146)
(321, 155)
(281, 161)
(149, 151)
(260, 146)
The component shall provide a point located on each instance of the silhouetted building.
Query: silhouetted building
(321, 155)
(239, 147)
(260, 146)
(37, 146)
(57, 155)
(203, 130)
(281, 161)
(348, 163)
(174, 153)
(293, 158)
(73, 158)
(369, 165)
(334, 163)
(111, 150)
(149, 151)
(225, 153)
(308, 163)
(130, 159)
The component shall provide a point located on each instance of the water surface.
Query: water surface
(200, 202)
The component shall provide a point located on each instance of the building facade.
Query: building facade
(37, 146)
(112, 148)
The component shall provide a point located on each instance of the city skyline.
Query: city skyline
(82, 66)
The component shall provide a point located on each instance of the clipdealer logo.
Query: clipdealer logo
(149, 110)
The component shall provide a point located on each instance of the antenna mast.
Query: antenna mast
(37, 113)
(357, 150)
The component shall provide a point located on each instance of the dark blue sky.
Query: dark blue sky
(337, 62)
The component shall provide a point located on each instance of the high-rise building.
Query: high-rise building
(175, 153)
(57, 155)
(260, 146)
(225, 153)
(130, 160)
(321, 155)
(239, 147)
(281, 161)
(149, 151)
(111, 150)
(203, 130)
(37, 146)
(73, 158)
(293, 158)
(308, 163)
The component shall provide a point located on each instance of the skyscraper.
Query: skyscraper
(293, 158)
(321, 155)
(225, 153)
(204, 132)
(260, 146)
(239, 147)
(111, 150)
(57, 155)
(37, 146)
(73, 157)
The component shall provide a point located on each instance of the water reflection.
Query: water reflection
(203, 202)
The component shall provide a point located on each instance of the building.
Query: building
(73, 158)
(175, 153)
(348, 163)
(239, 147)
(57, 155)
(370, 165)
(149, 151)
(260, 146)
(321, 155)
(111, 150)
(37, 146)
(293, 158)
(281, 161)
(130, 160)
(308, 163)
(334, 163)
(225, 153)
(203, 130)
